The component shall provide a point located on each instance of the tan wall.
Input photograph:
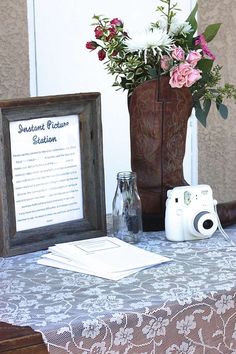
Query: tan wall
(217, 143)
(14, 61)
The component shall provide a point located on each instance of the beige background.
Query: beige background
(217, 143)
(14, 61)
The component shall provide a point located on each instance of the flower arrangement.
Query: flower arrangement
(167, 47)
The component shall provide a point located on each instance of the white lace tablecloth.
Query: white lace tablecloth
(183, 307)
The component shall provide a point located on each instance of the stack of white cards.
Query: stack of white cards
(105, 257)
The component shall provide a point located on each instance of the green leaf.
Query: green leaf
(96, 17)
(211, 31)
(207, 106)
(201, 116)
(191, 18)
(152, 72)
(223, 110)
(110, 51)
(205, 65)
(218, 102)
(200, 113)
(130, 76)
(122, 55)
(139, 71)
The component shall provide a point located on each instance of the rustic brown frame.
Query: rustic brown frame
(87, 106)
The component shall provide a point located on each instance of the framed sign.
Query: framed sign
(51, 171)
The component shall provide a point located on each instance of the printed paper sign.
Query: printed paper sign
(46, 168)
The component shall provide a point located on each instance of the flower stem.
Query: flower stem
(168, 16)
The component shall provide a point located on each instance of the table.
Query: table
(186, 306)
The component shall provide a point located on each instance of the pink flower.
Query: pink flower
(193, 57)
(184, 75)
(98, 32)
(193, 76)
(101, 54)
(116, 22)
(207, 51)
(201, 41)
(178, 53)
(177, 78)
(112, 33)
(91, 45)
(165, 62)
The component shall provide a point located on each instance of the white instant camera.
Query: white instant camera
(190, 213)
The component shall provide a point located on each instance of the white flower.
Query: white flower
(224, 286)
(123, 336)
(15, 286)
(225, 303)
(196, 283)
(91, 328)
(60, 296)
(183, 250)
(184, 326)
(223, 276)
(184, 348)
(26, 303)
(99, 348)
(161, 285)
(212, 254)
(178, 27)
(41, 288)
(117, 317)
(63, 330)
(158, 41)
(183, 296)
(93, 291)
(101, 303)
(155, 328)
(199, 270)
(54, 308)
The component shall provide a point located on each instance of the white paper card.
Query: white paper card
(107, 257)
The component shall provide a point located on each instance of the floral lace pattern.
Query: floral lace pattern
(186, 306)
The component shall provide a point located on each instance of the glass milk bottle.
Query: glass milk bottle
(126, 209)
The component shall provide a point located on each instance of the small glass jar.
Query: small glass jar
(126, 209)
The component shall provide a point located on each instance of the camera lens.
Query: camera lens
(204, 224)
(207, 224)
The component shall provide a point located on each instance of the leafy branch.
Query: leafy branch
(170, 48)
(169, 13)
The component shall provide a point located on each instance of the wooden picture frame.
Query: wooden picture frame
(87, 108)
